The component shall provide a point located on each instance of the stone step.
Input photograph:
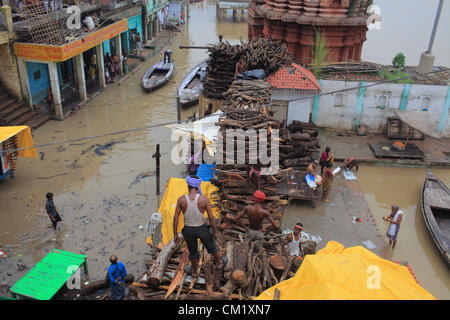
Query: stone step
(7, 102)
(9, 109)
(16, 114)
(23, 119)
(38, 120)
(3, 95)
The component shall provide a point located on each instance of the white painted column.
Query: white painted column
(118, 41)
(54, 83)
(23, 75)
(80, 76)
(100, 65)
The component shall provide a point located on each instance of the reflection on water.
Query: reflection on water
(383, 187)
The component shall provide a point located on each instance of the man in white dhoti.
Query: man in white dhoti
(395, 218)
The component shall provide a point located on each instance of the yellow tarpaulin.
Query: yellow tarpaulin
(24, 139)
(355, 273)
(175, 188)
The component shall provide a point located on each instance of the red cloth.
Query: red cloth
(324, 156)
(259, 196)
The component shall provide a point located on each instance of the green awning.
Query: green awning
(45, 279)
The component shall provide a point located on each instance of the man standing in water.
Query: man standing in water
(51, 210)
(395, 218)
(256, 214)
(193, 205)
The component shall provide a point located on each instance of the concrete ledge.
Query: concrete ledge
(401, 163)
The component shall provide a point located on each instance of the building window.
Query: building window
(37, 75)
(339, 100)
(425, 104)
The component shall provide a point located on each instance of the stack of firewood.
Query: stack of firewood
(248, 93)
(299, 145)
(260, 53)
(221, 69)
(251, 268)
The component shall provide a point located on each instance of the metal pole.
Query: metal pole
(436, 21)
(157, 155)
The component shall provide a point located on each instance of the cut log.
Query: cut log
(155, 273)
(179, 274)
(240, 255)
(101, 284)
(207, 269)
(277, 262)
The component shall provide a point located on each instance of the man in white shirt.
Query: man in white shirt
(395, 218)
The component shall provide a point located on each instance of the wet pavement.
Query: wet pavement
(345, 144)
(333, 220)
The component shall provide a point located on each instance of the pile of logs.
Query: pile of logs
(221, 68)
(248, 93)
(299, 145)
(251, 268)
(351, 67)
(260, 53)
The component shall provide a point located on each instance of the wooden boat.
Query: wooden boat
(191, 87)
(435, 202)
(158, 75)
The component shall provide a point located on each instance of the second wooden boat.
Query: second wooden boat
(435, 201)
(158, 75)
(191, 86)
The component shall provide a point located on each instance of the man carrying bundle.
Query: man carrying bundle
(256, 214)
(193, 206)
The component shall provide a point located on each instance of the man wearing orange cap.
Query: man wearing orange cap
(256, 214)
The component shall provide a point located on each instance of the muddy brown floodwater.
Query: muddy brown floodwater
(105, 209)
(103, 212)
(384, 186)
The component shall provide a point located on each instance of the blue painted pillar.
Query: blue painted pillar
(360, 102)
(444, 113)
(315, 110)
(405, 96)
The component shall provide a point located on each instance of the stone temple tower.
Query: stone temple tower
(344, 23)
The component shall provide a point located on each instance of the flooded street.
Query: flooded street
(384, 186)
(104, 208)
(106, 195)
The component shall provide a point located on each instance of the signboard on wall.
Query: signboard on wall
(43, 52)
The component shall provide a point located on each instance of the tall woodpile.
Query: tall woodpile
(260, 53)
(254, 266)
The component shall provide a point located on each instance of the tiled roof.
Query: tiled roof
(294, 77)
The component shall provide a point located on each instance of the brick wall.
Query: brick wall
(9, 74)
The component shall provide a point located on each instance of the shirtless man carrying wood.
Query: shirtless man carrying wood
(256, 214)
(193, 205)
